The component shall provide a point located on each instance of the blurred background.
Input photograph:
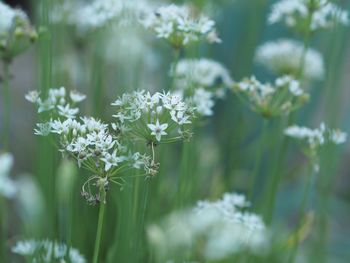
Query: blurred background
(225, 143)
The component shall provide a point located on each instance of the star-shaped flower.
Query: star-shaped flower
(158, 129)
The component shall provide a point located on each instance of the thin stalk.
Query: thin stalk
(184, 175)
(174, 66)
(6, 103)
(3, 229)
(276, 175)
(140, 236)
(302, 210)
(258, 159)
(99, 227)
(307, 39)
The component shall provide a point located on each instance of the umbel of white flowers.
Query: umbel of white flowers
(212, 230)
(269, 100)
(200, 82)
(313, 139)
(8, 187)
(155, 118)
(98, 14)
(297, 13)
(180, 25)
(96, 146)
(284, 56)
(44, 251)
(16, 32)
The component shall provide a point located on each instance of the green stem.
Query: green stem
(3, 228)
(184, 176)
(6, 103)
(258, 159)
(99, 227)
(275, 178)
(307, 38)
(302, 210)
(173, 68)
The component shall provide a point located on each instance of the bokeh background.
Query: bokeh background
(225, 143)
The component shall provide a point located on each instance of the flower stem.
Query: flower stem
(99, 227)
(183, 184)
(258, 159)
(6, 103)
(302, 210)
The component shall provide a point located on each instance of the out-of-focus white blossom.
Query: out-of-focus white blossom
(313, 139)
(316, 137)
(180, 25)
(45, 251)
(284, 56)
(296, 14)
(58, 100)
(282, 97)
(8, 187)
(87, 17)
(16, 32)
(201, 81)
(215, 230)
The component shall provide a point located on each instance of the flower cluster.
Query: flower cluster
(313, 139)
(45, 251)
(282, 97)
(98, 14)
(317, 14)
(216, 230)
(95, 146)
(284, 56)
(201, 81)
(155, 118)
(8, 187)
(88, 17)
(16, 32)
(58, 101)
(179, 25)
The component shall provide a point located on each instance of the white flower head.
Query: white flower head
(284, 56)
(179, 25)
(141, 114)
(282, 97)
(221, 228)
(295, 14)
(46, 250)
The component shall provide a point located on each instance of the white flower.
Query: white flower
(295, 13)
(45, 251)
(139, 108)
(316, 137)
(206, 73)
(8, 187)
(281, 97)
(215, 231)
(338, 137)
(111, 160)
(44, 129)
(67, 111)
(179, 25)
(32, 96)
(7, 16)
(284, 56)
(203, 101)
(77, 96)
(158, 129)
